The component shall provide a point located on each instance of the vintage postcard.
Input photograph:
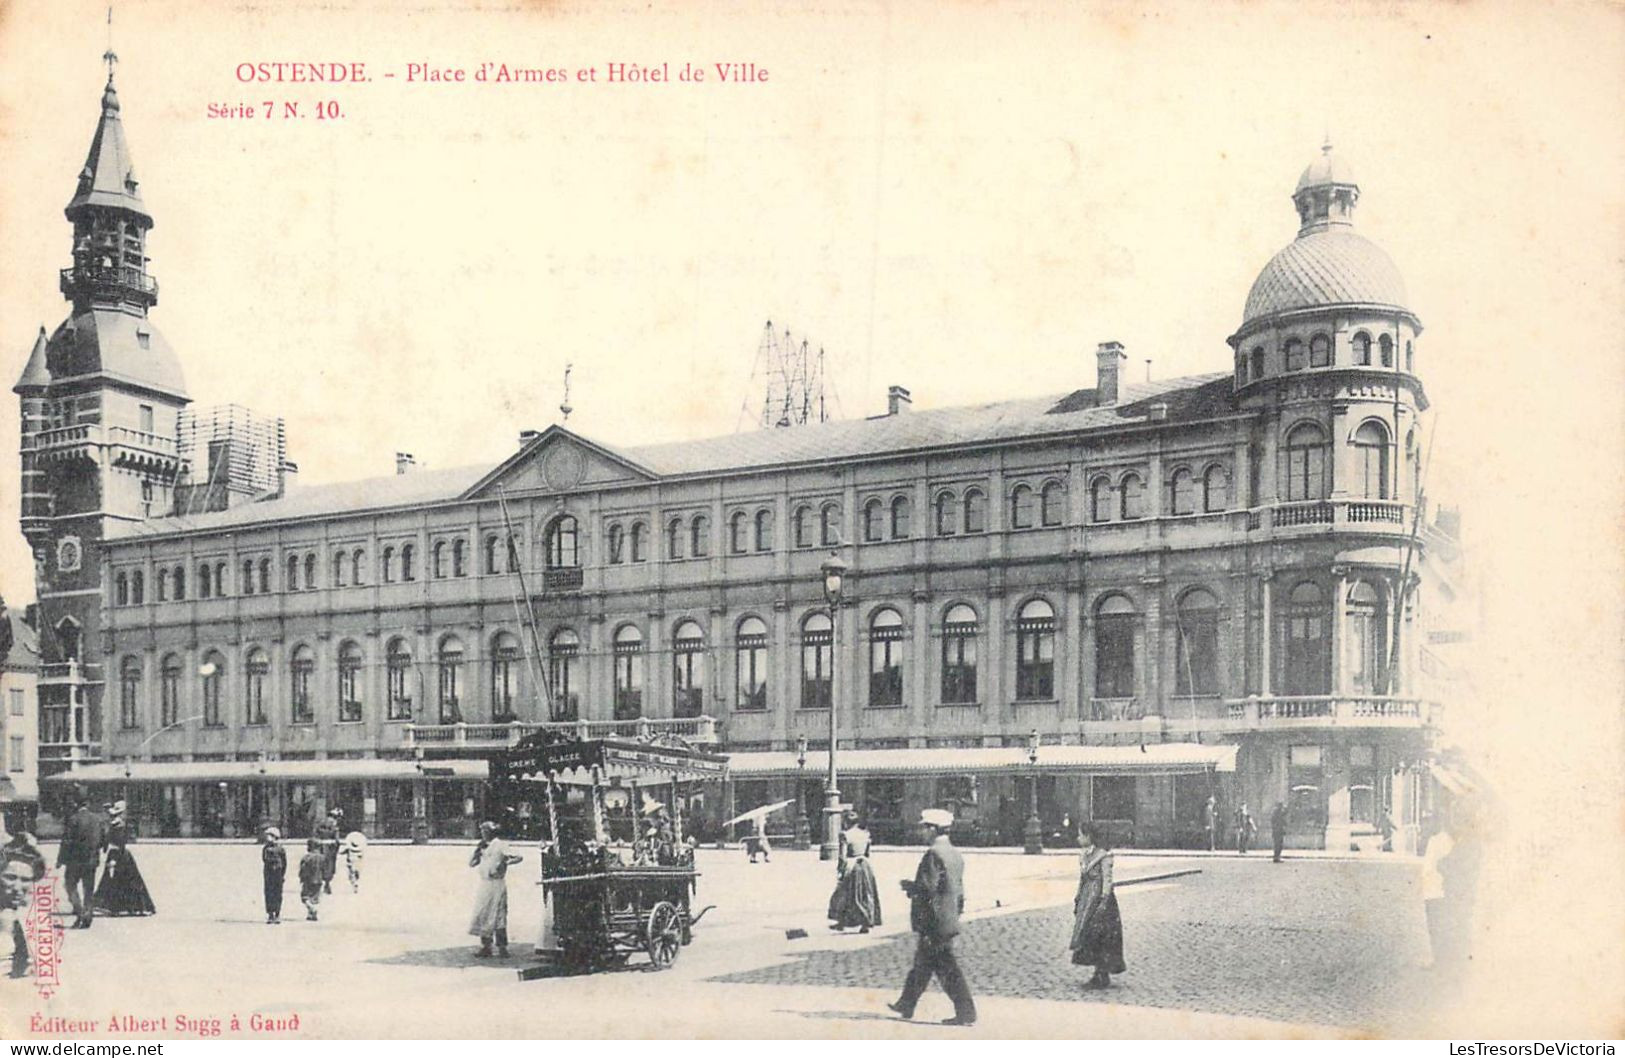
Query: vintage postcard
(833, 520)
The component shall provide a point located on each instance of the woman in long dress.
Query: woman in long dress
(1097, 927)
(856, 900)
(122, 890)
(490, 921)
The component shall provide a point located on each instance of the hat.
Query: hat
(273, 834)
(940, 818)
(117, 808)
(488, 827)
(651, 806)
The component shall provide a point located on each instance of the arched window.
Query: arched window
(829, 524)
(1132, 498)
(1196, 651)
(617, 544)
(437, 560)
(386, 563)
(68, 636)
(293, 573)
(129, 694)
(1371, 460)
(801, 527)
(638, 541)
(398, 676)
(256, 671)
(1052, 504)
(628, 673)
(1362, 349)
(1306, 463)
(179, 581)
(873, 517)
(504, 677)
(491, 554)
(699, 536)
(1414, 462)
(515, 543)
(1115, 621)
(265, 576)
(959, 632)
(1035, 651)
(213, 672)
(947, 514)
(121, 590)
(564, 543)
(562, 648)
(1410, 357)
(310, 570)
(350, 661)
(674, 538)
(459, 557)
(900, 518)
(205, 581)
(1183, 491)
(975, 511)
(885, 658)
(736, 532)
(1021, 507)
(1215, 489)
(300, 671)
(1367, 626)
(688, 670)
(764, 530)
(1305, 631)
(1100, 500)
(1386, 345)
(221, 589)
(817, 639)
(1258, 362)
(163, 585)
(1294, 354)
(138, 588)
(248, 576)
(340, 561)
(358, 567)
(750, 664)
(169, 691)
(408, 562)
(449, 663)
(1241, 369)
(1320, 351)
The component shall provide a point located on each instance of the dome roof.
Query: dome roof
(1328, 168)
(1325, 268)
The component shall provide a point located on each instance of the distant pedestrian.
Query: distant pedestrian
(491, 859)
(1437, 850)
(756, 840)
(856, 900)
(274, 864)
(355, 849)
(1097, 925)
(310, 878)
(1278, 828)
(937, 899)
(1246, 828)
(327, 833)
(122, 891)
(1210, 823)
(83, 839)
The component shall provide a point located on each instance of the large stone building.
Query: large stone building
(1216, 585)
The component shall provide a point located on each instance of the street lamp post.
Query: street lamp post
(834, 571)
(1033, 833)
(803, 835)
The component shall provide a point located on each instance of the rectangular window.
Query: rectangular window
(1198, 654)
(16, 701)
(959, 665)
(1363, 802)
(18, 759)
(146, 418)
(886, 668)
(1035, 659)
(751, 673)
(1114, 657)
(815, 670)
(1306, 804)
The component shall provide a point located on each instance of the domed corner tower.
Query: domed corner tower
(101, 399)
(1327, 345)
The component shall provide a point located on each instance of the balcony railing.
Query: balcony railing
(1377, 511)
(1318, 513)
(122, 435)
(487, 736)
(69, 672)
(1377, 514)
(113, 279)
(1327, 710)
(1114, 709)
(566, 578)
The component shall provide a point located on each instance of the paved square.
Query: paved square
(1246, 947)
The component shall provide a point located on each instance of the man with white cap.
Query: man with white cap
(274, 861)
(937, 896)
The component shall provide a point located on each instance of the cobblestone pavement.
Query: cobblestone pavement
(1332, 943)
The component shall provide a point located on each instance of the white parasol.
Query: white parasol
(761, 812)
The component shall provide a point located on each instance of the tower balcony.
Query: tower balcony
(114, 281)
(1335, 515)
(130, 449)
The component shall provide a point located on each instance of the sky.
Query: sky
(963, 199)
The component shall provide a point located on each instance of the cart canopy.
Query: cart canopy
(568, 761)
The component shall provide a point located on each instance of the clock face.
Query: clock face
(68, 554)
(564, 467)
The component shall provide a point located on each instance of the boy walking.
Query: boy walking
(310, 878)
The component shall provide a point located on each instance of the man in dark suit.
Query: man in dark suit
(83, 839)
(1278, 828)
(937, 897)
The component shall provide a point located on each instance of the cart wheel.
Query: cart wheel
(665, 935)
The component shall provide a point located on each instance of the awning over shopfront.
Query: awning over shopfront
(1452, 779)
(270, 771)
(1162, 758)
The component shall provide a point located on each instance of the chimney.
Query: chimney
(1158, 411)
(898, 402)
(404, 462)
(1110, 358)
(527, 436)
(288, 474)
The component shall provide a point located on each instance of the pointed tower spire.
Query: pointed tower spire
(36, 376)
